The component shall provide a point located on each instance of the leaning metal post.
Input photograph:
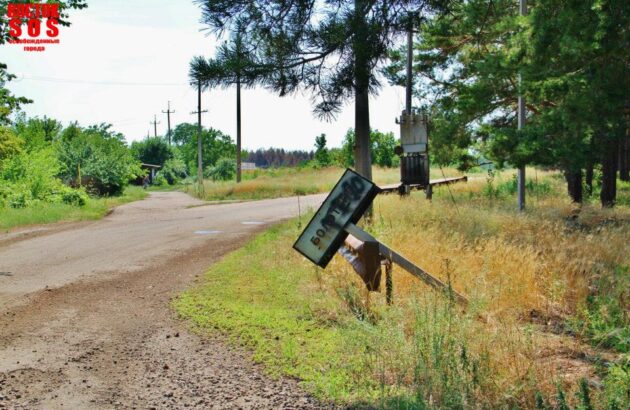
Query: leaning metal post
(406, 264)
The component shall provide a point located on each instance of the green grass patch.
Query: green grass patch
(43, 213)
(263, 305)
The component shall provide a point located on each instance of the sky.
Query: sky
(121, 61)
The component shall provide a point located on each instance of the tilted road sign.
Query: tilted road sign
(325, 233)
(337, 218)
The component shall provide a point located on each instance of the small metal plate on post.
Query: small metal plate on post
(325, 233)
(365, 258)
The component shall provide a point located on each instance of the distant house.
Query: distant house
(245, 166)
(151, 171)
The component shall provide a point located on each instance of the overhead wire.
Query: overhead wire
(101, 82)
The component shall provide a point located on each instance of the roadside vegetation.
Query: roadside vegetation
(282, 182)
(46, 212)
(547, 327)
(49, 173)
(290, 173)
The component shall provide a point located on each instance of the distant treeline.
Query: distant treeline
(277, 157)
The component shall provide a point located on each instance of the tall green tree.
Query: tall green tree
(215, 144)
(579, 76)
(322, 156)
(573, 59)
(10, 144)
(232, 65)
(37, 132)
(382, 146)
(331, 49)
(152, 150)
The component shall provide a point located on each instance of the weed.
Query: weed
(603, 318)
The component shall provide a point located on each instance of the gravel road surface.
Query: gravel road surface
(84, 310)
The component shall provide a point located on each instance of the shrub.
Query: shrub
(508, 188)
(99, 156)
(159, 180)
(224, 170)
(617, 385)
(603, 319)
(10, 144)
(174, 170)
(75, 197)
(30, 177)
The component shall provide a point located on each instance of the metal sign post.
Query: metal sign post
(336, 219)
(406, 264)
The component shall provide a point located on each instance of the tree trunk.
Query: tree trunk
(574, 184)
(238, 129)
(610, 153)
(362, 155)
(589, 177)
(624, 157)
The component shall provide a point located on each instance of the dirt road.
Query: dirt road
(85, 319)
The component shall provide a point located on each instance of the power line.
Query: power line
(103, 82)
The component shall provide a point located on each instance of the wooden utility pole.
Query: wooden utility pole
(521, 125)
(362, 143)
(199, 142)
(168, 113)
(409, 79)
(155, 122)
(238, 128)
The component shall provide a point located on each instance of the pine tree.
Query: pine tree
(232, 65)
(330, 48)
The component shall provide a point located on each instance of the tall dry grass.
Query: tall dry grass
(547, 287)
(283, 182)
(525, 274)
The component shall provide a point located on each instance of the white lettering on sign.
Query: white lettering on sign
(346, 203)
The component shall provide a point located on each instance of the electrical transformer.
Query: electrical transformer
(413, 152)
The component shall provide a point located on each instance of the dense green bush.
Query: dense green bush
(382, 147)
(67, 195)
(173, 171)
(30, 177)
(152, 150)
(97, 159)
(41, 162)
(160, 180)
(10, 144)
(224, 170)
